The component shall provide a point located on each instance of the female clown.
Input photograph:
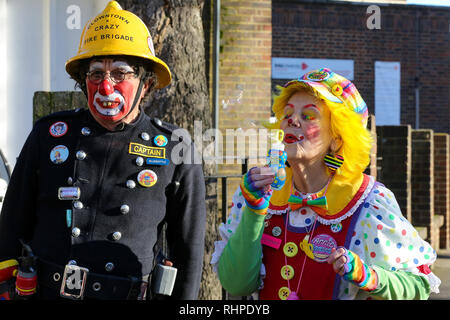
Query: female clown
(331, 232)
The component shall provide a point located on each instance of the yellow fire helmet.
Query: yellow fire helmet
(118, 32)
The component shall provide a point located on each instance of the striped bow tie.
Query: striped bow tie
(318, 205)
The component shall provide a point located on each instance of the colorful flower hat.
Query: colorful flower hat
(335, 88)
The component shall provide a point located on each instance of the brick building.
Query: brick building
(245, 81)
(416, 36)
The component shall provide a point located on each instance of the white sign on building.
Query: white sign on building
(387, 93)
(292, 68)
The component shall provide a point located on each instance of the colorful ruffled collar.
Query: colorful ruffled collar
(343, 197)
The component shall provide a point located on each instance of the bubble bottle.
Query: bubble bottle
(277, 159)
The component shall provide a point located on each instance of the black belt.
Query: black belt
(97, 286)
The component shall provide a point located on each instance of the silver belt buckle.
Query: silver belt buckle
(73, 282)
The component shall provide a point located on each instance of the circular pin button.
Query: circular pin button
(59, 154)
(58, 129)
(336, 227)
(147, 178)
(276, 231)
(81, 155)
(323, 244)
(76, 232)
(139, 161)
(116, 236)
(290, 249)
(318, 76)
(268, 216)
(109, 266)
(85, 131)
(124, 209)
(145, 136)
(160, 141)
(131, 184)
(287, 272)
(78, 205)
(283, 293)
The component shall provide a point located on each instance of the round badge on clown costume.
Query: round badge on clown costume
(317, 76)
(322, 245)
(59, 154)
(58, 129)
(160, 141)
(147, 178)
(336, 227)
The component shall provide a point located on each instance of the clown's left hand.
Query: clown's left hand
(350, 266)
(338, 259)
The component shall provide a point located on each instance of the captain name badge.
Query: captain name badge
(146, 151)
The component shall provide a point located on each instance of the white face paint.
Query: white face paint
(109, 105)
(122, 65)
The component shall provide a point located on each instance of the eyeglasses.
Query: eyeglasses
(115, 75)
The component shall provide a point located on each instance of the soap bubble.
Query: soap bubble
(233, 98)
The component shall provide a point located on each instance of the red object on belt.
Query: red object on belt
(26, 283)
(8, 269)
(7, 273)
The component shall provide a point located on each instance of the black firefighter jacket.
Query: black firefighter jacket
(115, 221)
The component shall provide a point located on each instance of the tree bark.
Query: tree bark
(176, 27)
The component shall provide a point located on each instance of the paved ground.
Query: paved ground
(441, 269)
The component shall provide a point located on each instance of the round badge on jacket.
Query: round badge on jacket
(58, 129)
(160, 140)
(147, 178)
(59, 154)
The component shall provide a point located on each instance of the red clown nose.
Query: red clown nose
(105, 88)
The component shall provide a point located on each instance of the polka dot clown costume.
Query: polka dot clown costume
(331, 232)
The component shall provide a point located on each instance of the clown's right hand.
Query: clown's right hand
(255, 187)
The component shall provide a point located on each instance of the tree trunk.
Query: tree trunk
(177, 30)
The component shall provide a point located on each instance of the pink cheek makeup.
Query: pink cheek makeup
(312, 131)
